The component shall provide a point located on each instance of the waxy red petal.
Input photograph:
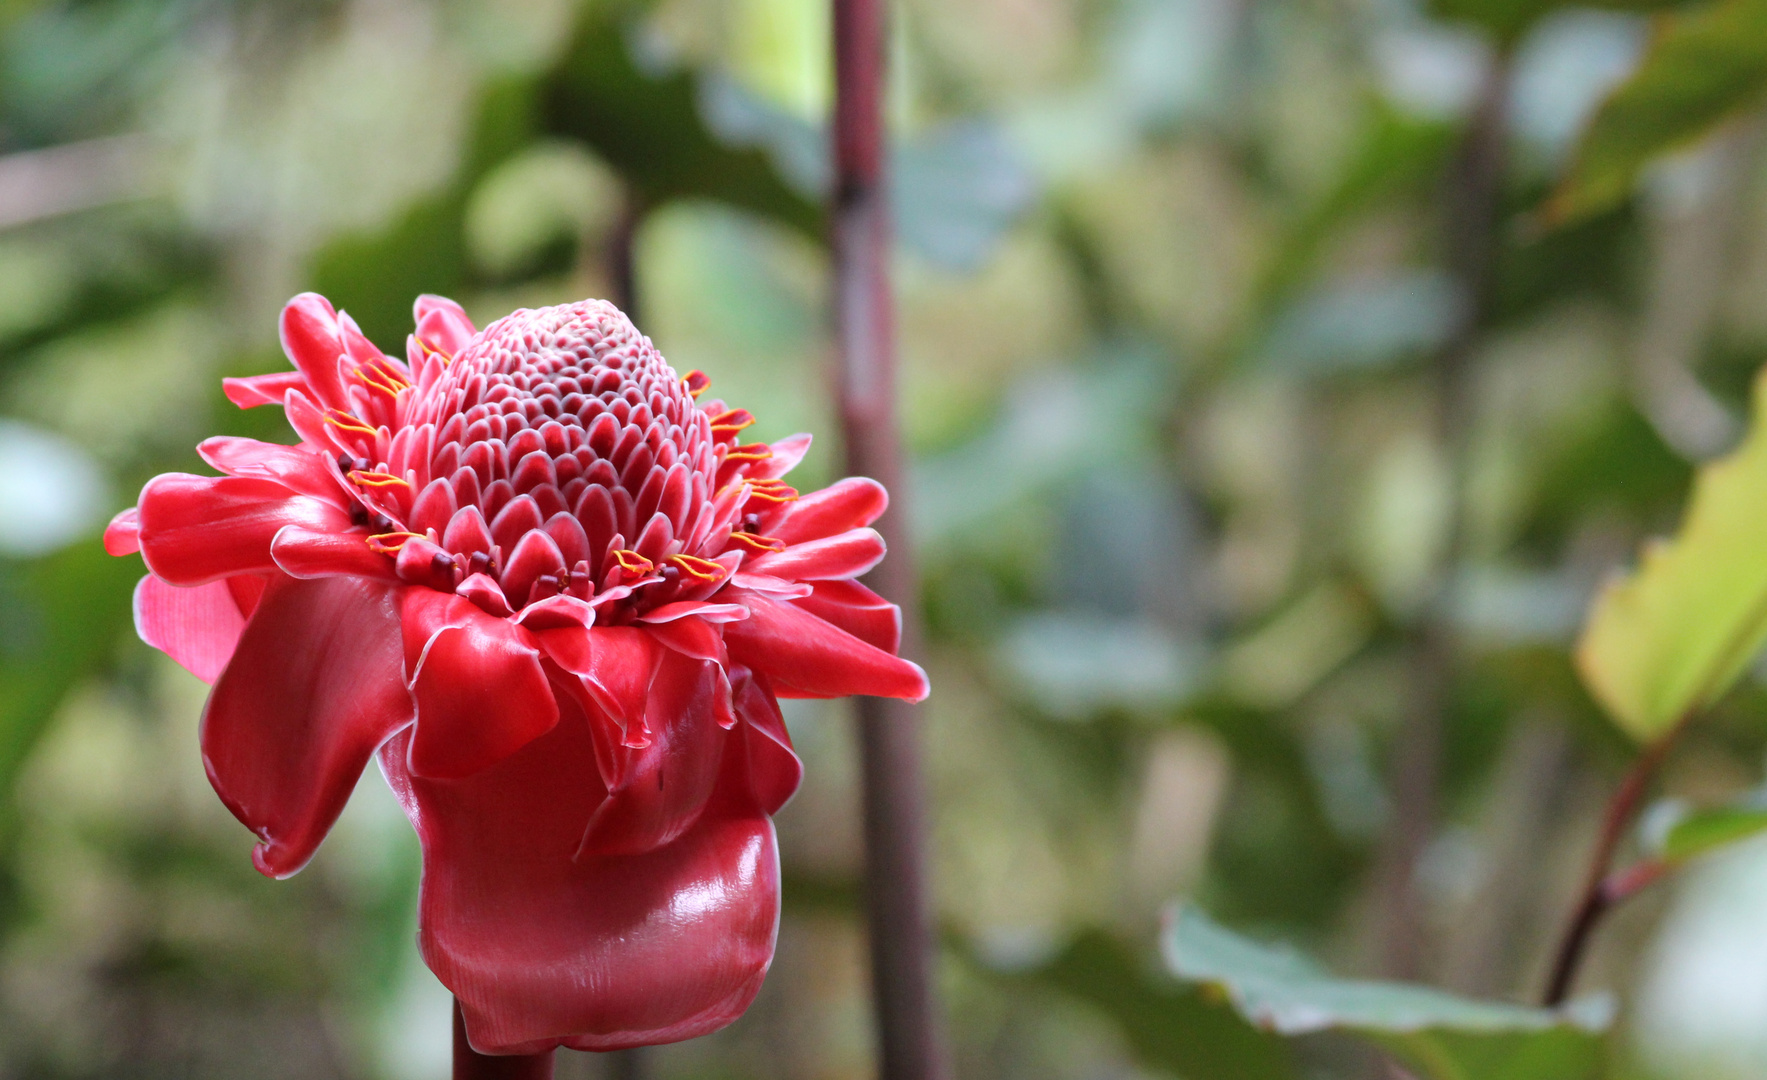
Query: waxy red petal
(294, 467)
(598, 953)
(197, 529)
(306, 553)
(691, 636)
(843, 555)
(313, 687)
(198, 627)
(313, 341)
(857, 610)
(442, 323)
(849, 504)
(775, 771)
(805, 656)
(621, 660)
(658, 791)
(787, 454)
(481, 693)
(255, 390)
(123, 535)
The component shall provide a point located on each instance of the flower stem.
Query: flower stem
(1602, 891)
(469, 1064)
(889, 731)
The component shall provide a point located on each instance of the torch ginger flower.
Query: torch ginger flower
(560, 597)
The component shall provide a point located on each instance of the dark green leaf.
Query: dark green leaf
(1443, 1036)
(1705, 65)
(1168, 1026)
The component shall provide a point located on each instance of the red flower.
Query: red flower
(560, 598)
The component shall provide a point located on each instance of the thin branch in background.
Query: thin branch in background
(1600, 890)
(469, 1064)
(889, 730)
(1471, 224)
(621, 269)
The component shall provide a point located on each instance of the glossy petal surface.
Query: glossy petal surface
(198, 627)
(596, 953)
(806, 655)
(313, 687)
(481, 694)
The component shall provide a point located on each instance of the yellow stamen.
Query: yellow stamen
(633, 563)
(378, 479)
(756, 544)
(751, 452)
(346, 422)
(703, 570)
(773, 491)
(731, 421)
(390, 543)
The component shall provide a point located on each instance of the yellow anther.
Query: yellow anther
(378, 479)
(750, 452)
(756, 544)
(346, 422)
(633, 563)
(773, 491)
(703, 570)
(390, 543)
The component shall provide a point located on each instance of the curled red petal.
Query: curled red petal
(313, 687)
(809, 657)
(599, 953)
(661, 788)
(621, 660)
(198, 626)
(857, 610)
(787, 453)
(849, 504)
(680, 609)
(442, 323)
(197, 529)
(481, 693)
(557, 611)
(313, 342)
(308, 553)
(775, 770)
(691, 636)
(123, 535)
(294, 467)
(843, 555)
(255, 390)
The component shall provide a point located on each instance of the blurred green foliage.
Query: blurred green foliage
(1175, 300)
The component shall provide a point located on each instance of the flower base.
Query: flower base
(469, 1064)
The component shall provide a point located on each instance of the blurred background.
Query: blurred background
(1257, 504)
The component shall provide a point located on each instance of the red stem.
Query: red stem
(889, 731)
(1600, 891)
(469, 1064)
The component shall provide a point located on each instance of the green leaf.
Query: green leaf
(1168, 1026)
(60, 617)
(1704, 66)
(1440, 1035)
(649, 127)
(1695, 832)
(1508, 20)
(1670, 638)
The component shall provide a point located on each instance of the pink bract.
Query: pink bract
(560, 599)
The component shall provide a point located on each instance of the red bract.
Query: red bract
(560, 598)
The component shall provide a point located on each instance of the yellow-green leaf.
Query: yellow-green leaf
(1669, 638)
